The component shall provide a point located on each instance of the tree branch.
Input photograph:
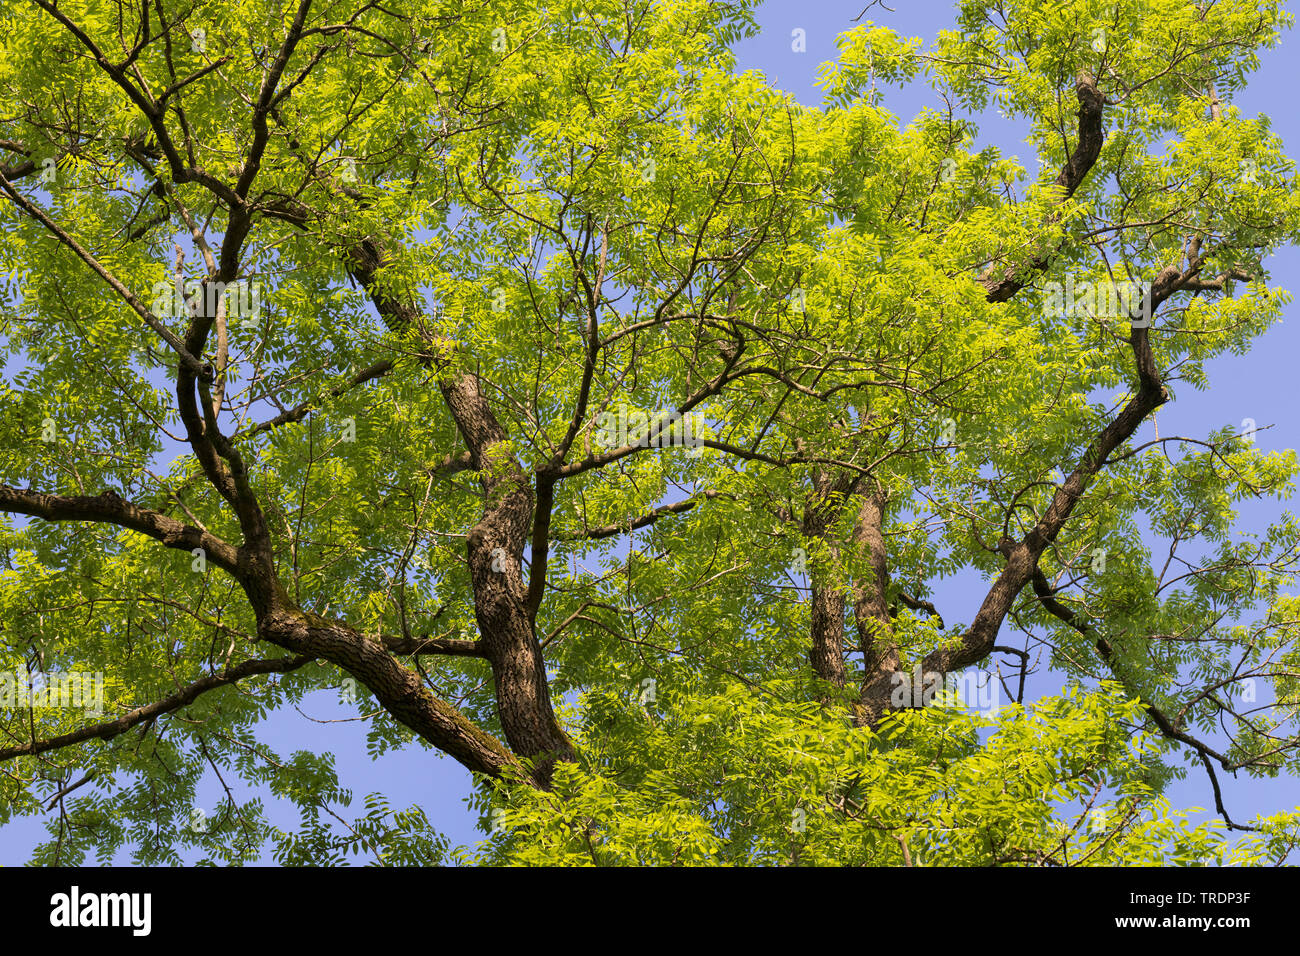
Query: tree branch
(649, 518)
(109, 508)
(1000, 288)
(109, 729)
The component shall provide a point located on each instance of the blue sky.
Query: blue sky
(1252, 386)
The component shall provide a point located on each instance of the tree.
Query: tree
(518, 370)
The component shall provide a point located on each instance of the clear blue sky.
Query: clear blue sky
(1252, 386)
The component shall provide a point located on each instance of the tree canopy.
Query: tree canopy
(602, 418)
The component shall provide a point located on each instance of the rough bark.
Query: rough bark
(495, 550)
(870, 605)
(495, 547)
(1001, 286)
(397, 688)
(827, 601)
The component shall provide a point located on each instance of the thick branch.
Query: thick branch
(1001, 287)
(109, 508)
(870, 607)
(109, 729)
(397, 688)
